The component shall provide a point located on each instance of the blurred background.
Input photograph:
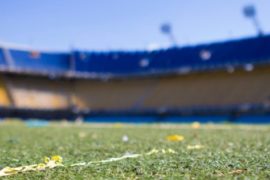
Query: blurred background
(135, 61)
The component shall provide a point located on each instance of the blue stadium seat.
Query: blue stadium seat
(45, 62)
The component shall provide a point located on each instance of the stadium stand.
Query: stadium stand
(39, 93)
(103, 63)
(225, 77)
(114, 64)
(202, 57)
(212, 89)
(52, 63)
(4, 96)
(107, 95)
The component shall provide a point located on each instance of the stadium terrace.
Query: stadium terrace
(218, 79)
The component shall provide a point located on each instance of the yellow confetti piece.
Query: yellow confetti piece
(46, 159)
(57, 159)
(175, 138)
(41, 166)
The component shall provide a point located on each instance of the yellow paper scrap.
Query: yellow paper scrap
(175, 138)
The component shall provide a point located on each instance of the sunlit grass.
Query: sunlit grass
(226, 151)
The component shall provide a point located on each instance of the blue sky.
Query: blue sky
(124, 24)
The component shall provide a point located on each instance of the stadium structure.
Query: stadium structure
(218, 79)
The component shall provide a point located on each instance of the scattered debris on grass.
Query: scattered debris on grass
(175, 138)
(237, 171)
(197, 146)
(125, 138)
(56, 161)
(195, 125)
(49, 163)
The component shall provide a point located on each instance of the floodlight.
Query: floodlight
(166, 28)
(249, 11)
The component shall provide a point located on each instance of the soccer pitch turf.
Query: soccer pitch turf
(228, 151)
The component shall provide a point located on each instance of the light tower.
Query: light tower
(167, 30)
(249, 12)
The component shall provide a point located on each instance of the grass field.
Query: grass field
(229, 151)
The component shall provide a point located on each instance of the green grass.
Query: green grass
(230, 151)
